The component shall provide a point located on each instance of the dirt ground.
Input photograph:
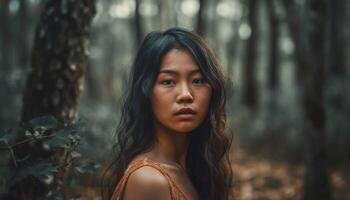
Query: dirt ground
(263, 179)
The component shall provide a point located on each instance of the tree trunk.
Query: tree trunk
(200, 29)
(316, 181)
(5, 36)
(5, 65)
(311, 64)
(297, 27)
(337, 37)
(23, 42)
(138, 25)
(250, 86)
(273, 48)
(336, 53)
(166, 13)
(55, 80)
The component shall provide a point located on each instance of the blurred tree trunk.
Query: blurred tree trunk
(91, 83)
(5, 36)
(232, 49)
(337, 37)
(233, 44)
(166, 13)
(297, 26)
(250, 85)
(109, 70)
(273, 48)
(138, 25)
(4, 63)
(316, 181)
(311, 58)
(23, 43)
(200, 29)
(55, 81)
(6, 66)
(336, 85)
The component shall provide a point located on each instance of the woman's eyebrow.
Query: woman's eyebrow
(170, 71)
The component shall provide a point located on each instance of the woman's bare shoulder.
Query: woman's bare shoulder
(147, 183)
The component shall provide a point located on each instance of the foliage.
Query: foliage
(47, 133)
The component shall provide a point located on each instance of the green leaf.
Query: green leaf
(62, 137)
(87, 167)
(58, 140)
(44, 123)
(7, 137)
(73, 128)
(41, 170)
(75, 154)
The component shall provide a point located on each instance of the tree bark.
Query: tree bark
(273, 48)
(55, 80)
(297, 27)
(316, 181)
(337, 37)
(23, 40)
(5, 35)
(336, 53)
(166, 13)
(308, 30)
(138, 25)
(250, 85)
(200, 27)
(5, 65)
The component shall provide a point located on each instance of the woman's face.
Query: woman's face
(180, 97)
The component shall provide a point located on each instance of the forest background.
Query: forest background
(287, 67)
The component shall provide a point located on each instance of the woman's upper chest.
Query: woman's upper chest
(182, 180)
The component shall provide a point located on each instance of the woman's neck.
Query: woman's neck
(170, 147)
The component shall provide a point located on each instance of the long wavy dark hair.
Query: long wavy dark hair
(208, 163)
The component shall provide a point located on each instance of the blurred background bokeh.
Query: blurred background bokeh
(287, 66)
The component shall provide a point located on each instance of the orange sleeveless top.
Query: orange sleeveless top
(175, 192)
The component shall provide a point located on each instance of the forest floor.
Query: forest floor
(266, 179)
(259, 178)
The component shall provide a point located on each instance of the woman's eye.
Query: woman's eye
(199, 81)
(167, 82)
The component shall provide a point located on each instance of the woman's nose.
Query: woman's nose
(185, 95)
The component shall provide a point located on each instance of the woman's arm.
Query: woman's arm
(147, 183)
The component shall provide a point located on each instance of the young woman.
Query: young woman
(171, 141)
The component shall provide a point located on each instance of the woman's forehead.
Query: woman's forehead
(178, 60)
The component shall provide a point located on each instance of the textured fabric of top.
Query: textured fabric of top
(175, 192)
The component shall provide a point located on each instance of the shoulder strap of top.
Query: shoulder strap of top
(175, 192)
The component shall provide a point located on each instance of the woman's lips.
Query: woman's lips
(185, 113)
(185, 116)
(185, 110)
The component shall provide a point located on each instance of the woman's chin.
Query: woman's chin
(185, 129)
